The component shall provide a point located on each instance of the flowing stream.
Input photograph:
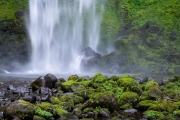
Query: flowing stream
(59, 30)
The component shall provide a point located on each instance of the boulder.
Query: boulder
(90, 60)
(20, 110)
(48, 81)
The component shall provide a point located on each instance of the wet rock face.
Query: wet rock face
(90, 59)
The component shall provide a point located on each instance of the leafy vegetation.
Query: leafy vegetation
(9, 8)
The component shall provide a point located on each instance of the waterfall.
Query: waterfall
(59, 30)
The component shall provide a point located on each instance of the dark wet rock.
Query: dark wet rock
(77, 112)
(1, 115)
(61, 80)
(20, 89)
(50, 81)
(22, 111)
(37, 83)
(44, 81)
(85, 77)
(45, 91)
(90, 60)
(104, 114)
(88, 115)
(68, 117)
(29, 98)
(45, 97)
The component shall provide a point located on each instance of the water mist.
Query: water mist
(59, 30)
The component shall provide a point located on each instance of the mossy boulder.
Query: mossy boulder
(76, 87)
(128, 97)
(85, 93)
(21, 110)
(105, 100)
(129, 84)
(149, 84)
(98, 79)
(67, 102)
(73, 77)
(155, 92)
(66, 85)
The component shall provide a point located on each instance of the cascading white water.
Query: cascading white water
(59, 30)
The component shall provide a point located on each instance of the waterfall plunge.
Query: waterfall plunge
(59, 30)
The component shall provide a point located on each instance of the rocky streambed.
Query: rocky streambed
(100, 97)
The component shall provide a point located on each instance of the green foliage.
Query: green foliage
(154, 114)
(8, 8)
(97, 109)
(110, 23)
(164, 13)
(44, 114)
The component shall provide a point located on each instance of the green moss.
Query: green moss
(146, 104)
(67, 100)
(38, 118)
(129, 84)
(10, 7)
(59, 111)
(128, 97)
(109, 85)
(44, 114)
(97, 109)
(45, 106)
(155, 92)
(149, 84)
(144, 96)
(77, 99)
(126, 106)
(85, 83)
(154, 114)
(73, 78)
(55, 100)
(99, 78)
(66, 85)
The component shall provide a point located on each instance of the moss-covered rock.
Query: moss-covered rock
(155, 92)
(21, 110)
(97, 80)
(66, 85)
(67, 102)
(128, 97)
(129, 84)
(73, 77)
(104, 100)
(149, 84)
